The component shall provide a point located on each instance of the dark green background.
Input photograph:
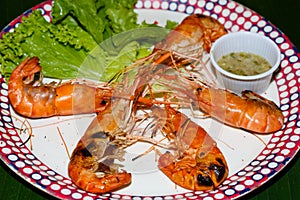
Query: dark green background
(284, 186)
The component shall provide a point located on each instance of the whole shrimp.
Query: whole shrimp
(190, 39)
(194, 33)
(197, 163)
(33, 99)
(249, 111)
(92, 166)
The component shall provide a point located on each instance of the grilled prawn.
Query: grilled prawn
(92, 166)
(197, 163)
(249, 111)
(31, 98)
(195, 33)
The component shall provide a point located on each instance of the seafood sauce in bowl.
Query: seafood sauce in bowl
(245, 61)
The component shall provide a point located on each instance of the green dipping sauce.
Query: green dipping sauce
(244, 64)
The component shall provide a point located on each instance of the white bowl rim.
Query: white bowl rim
(241, 77)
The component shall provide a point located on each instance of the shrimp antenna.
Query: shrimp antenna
(115, 77)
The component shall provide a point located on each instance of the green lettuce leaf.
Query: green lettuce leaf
(90, 39)
(85, 12)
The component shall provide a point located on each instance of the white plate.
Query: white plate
(252, 159)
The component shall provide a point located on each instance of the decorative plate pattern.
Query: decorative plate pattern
(281, 147)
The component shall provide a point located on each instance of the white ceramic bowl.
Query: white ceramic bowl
(245, 42)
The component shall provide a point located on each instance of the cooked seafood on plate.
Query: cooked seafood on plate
(163, 118)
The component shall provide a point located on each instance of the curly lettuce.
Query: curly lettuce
(91, 38)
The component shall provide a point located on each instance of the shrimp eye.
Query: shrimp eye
(103, 102)
(218, 170)
(86, 152)
(199, 89)
(204, 180)
(201, 154)
(191, 78)
(100, 134)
